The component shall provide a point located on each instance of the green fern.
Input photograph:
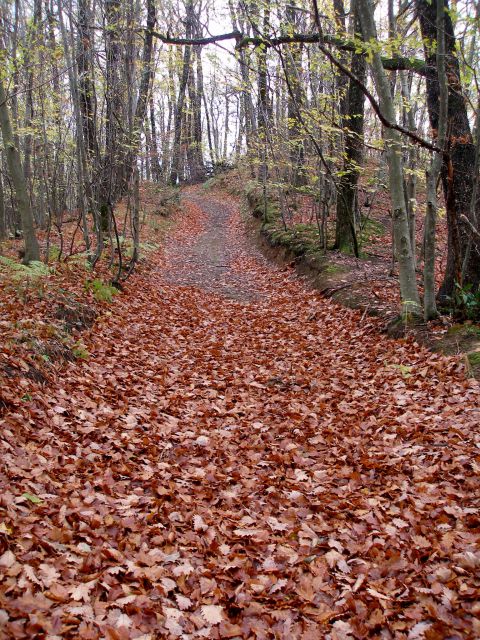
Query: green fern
(101, 291)
(17, 271)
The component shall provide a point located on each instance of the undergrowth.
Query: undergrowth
(102, 291)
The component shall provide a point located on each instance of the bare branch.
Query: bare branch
(392, 64)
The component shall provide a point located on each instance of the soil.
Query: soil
(208, 262)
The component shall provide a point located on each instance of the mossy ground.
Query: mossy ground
(474, 359)
(370, 229)
(463, 339)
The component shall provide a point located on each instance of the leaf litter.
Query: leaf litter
(240, 468)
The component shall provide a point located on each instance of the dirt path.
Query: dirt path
(239, 458)
(208, 261)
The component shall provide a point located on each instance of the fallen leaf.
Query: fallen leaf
(212, 613)
(82, 590)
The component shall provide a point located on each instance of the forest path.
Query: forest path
(208, 261)
(263, 467)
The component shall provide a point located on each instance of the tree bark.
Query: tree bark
(264, 107)
(143, 95)
(111, 165)
(179, 107)
(430, 307)
(3, 218)
(458, 166)
(353, 124)
(155, 161)
(295, 99)
(84, 187)
(408, 285)
(86, 87)
(32, 249)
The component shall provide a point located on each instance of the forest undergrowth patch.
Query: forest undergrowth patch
(46, 307)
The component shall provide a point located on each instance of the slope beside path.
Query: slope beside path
(239, 458)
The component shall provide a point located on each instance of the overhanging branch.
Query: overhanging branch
(391, 64)
(168, 39)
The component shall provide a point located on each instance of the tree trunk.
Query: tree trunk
(458, 166)
(111, 166)
(263, 109)
(195, 151)
(430, 307)
(3, 219)
(246, 93)
(155, 161)
(411, 160)
(32, 250)
(408, 285)
(57, 178)
(32, 46)
(179, 107)
(353, 123)
(142, 100)
(86, 88)
(293, 68)
(84, 187)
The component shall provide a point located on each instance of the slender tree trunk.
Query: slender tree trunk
(293, 69)
(32, 250)
(112, 165)
(430, 307)
(33, 45)
(155, 161)
(136, 217)
(246, 93)
(408, 285)
(86, 87)
(179, 108)
(227, 124)
(209, 131)
(57, 186)
(143, 95)
(411, 159)
(3, 218)
(263, 115)
(81, 153)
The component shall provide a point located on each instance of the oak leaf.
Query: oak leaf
(212, 613)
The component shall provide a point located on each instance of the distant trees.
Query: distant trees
(96, 90)
(84, 84)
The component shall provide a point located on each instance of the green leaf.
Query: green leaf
(32, 498)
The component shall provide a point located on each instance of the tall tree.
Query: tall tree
(458, 168)
(31, 246)
(404, 251)
(353, 125)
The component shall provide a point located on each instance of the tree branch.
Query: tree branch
(473, 229)
(168, 39)
(391, 64)
(376, 107)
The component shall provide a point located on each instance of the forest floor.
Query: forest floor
(236, 457)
